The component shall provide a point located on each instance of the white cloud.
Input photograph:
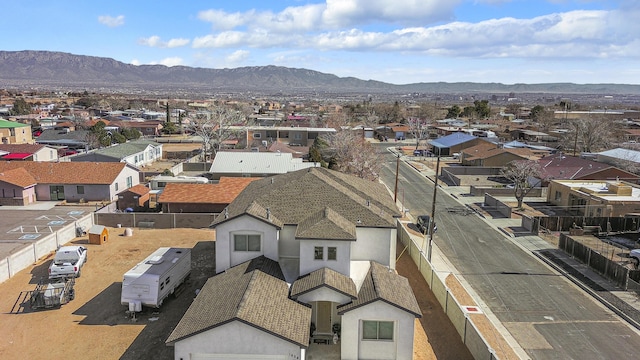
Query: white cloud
(593, 34)
(155, 41)
(171, 61)
(237, 56)
(111, 21)
(135, 62)
(334, 14)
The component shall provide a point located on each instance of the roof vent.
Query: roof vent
(226, 213)
(368, 202)
(268, 214)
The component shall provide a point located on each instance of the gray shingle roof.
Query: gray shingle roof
(121, 151)
(326, 224)
(290, 198)
(324, 277)
(254, 293)
(383, 284)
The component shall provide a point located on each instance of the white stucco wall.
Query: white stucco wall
(46, 154)
(309, 264)
(400, 348)
(324, 294)
(378, 244)
(226, 257)
(235, 338)
(91, 192)
(121, 180)
(288, 246)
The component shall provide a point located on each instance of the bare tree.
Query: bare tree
(351, 154)
(594, 133)
(525, 175)
(419, 128)
(217, 125)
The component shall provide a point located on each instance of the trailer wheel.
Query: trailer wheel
(72, 294)
(635, 261)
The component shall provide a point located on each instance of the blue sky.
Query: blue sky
(396, 41)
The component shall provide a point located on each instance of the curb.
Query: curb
(588, 290)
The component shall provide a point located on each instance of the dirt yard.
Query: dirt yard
(95, 325)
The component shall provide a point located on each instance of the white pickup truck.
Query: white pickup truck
(68, 262)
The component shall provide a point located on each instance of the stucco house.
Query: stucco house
(255, 164)
(138, 153)
(201, 198)
(75, 182)
(136, 198)
(330, 242)
(30, 152)
(12, 132)
(17, 187)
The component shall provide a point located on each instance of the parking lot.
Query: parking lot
(20, 227)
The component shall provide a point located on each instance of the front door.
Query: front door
(323, 317)
(56, 192)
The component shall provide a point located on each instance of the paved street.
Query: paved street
(545, 313)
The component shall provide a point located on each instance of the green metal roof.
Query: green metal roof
(6, 124)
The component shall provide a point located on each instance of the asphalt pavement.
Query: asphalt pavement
(521, 282)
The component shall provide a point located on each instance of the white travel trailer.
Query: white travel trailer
(155, 278)
(159, 182)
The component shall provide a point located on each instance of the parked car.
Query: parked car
(68, 262)
(423, 224)
(634, 255)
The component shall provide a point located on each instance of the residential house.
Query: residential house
(136, 198)
(392, 131)
(146, 128)
(293, 135)
(560, 166)
(453, 144)
(255, 164)
(624, 158)
(138, 153)
(12, 132)
(332, 237)
(79, 139)
(595, 198)
(202, 198)
(18, 187)
(32, 152)
(77, 181)
(488, 155)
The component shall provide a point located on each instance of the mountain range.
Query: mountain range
(58, 70)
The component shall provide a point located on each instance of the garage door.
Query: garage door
(236, 357)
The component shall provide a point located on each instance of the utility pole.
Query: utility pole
(433, 208)
(395, 192)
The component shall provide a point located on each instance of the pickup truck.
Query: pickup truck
(68, 262)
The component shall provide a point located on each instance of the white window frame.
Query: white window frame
(320, 252)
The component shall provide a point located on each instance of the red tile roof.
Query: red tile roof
(19, 177)
(138, 190)
(68, 172)
(222, 193)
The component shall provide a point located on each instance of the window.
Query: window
(377, 330)
(332, 253)
(129, 181)
(116, 186)
(257, 135)
(243, 242)
(318, 253)
(80, 190)
(558, 195)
